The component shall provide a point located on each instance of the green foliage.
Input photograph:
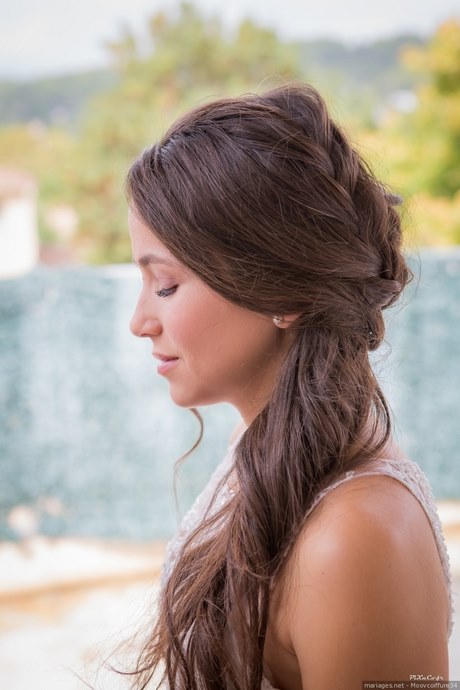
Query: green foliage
(186, 59)
(358, 79)
(431, 134)
(374, 66)
(418, 153)
(357, 76)
(46, 154)
(157, 81)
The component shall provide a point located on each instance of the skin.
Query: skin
(362, 596)
(226, 353)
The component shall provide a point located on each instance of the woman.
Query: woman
(268, 252)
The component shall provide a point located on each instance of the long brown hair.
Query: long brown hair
(265, 200)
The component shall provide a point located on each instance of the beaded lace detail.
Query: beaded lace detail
(403, 470)
(203, 505)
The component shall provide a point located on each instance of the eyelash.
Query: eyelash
(166, 292)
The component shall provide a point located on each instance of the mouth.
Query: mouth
(166, 363)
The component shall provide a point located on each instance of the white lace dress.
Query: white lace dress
(405, 471)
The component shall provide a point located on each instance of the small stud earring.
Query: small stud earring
(278, 320)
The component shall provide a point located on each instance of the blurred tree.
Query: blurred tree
(45, 153)
(419, 152)
(57, 100)
(184, 60)
(359, 80)
(433, 130)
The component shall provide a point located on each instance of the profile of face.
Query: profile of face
(223, 352)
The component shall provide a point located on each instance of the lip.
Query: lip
(166, 363)
(163, 358)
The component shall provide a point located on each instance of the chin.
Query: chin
(188, 400)
(184, 399)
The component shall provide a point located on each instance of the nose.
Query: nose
(144, 324)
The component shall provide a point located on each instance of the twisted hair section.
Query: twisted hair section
(264, 199)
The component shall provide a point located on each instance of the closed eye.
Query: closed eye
(166, 291)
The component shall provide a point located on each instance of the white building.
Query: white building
(18, 223)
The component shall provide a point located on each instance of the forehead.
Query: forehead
(145, 243)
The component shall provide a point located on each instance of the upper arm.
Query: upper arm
(360, 608)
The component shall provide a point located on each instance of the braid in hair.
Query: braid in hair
(265, 200)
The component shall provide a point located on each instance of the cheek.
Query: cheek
(192, 328)
(207, 318)
(215, 336)
(187, 333)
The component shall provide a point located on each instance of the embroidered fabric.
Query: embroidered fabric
(403, 470)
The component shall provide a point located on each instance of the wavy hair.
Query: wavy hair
(264, 199)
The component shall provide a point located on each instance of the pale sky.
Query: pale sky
(39, 37)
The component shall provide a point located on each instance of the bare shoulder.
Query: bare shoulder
(365, 594)
(365, 507)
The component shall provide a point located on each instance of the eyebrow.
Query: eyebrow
(148, 259)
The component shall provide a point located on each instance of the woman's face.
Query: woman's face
(224, 353)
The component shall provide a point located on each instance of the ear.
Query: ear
(285, 321)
